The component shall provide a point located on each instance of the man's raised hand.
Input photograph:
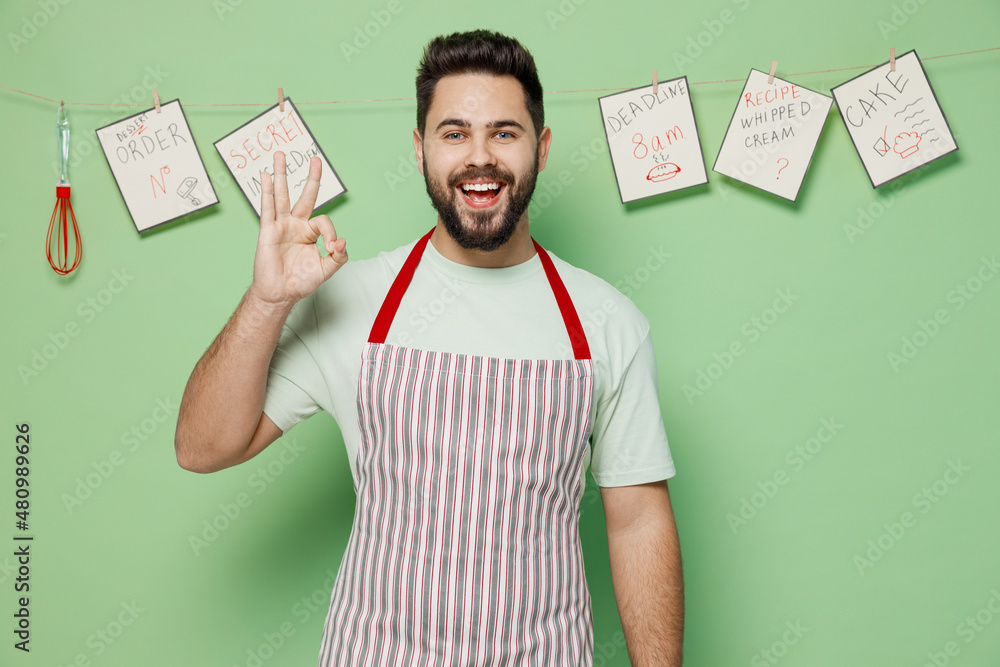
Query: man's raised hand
(288, 265)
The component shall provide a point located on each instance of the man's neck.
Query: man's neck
(516, 250)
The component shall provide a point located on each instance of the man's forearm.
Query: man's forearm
(224, 396)
(649, 588)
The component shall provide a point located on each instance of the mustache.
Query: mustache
(492, 173)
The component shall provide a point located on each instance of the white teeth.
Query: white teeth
(480, 186)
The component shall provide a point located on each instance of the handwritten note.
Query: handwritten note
(248, 151)
(157, 166)
(773, 134)
(653, 140)
(894, 119)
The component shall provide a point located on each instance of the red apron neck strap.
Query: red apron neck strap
(380, 329)
(581, 350)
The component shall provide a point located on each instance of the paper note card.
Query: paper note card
(248, 151)
(773, 134)
(894, 119)
(157, 165)
(653, 140)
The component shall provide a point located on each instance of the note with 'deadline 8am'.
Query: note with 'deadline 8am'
(773, 134)
(894, 119)
(653, 140)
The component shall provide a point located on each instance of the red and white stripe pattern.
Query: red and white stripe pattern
(465, 548)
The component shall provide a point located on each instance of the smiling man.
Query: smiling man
(471, 399)
(481, 205)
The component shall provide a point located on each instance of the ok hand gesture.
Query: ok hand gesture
(288, 266)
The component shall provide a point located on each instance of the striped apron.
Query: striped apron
(465, 548)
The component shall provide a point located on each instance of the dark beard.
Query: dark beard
(480, 236)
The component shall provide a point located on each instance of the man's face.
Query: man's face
(478, 134)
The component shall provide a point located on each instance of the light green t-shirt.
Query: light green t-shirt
(509, 313)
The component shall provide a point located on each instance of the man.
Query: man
(471, 399)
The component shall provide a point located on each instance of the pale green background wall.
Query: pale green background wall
(731, 248)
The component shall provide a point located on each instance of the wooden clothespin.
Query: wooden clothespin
(656, 84)
(156, 100)
(892, 58)
(770, 76)
(281, 100)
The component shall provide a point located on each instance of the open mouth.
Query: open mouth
(481, 195)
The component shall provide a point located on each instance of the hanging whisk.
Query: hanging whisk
(62, 214)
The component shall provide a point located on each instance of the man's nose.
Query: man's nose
(480, 153)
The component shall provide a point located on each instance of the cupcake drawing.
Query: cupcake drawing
(906, 144)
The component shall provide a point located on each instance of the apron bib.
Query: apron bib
(465, 548)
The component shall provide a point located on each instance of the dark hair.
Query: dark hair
(478, 52)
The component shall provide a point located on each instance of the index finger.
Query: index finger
(266, 197)
(307, 200)
(280, 184)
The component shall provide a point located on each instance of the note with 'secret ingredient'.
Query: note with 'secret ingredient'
(248, 151)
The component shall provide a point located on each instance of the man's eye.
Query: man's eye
(504, 134)
(453, 135)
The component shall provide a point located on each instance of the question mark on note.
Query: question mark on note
(779, 171)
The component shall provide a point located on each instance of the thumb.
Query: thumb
(336, 259)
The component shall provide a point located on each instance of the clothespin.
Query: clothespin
(770, 76)
(281, 100)
(156, 100)
(892, 58)
(656, 84)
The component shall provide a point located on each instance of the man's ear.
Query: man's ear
(544, 141)
(418, 150)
